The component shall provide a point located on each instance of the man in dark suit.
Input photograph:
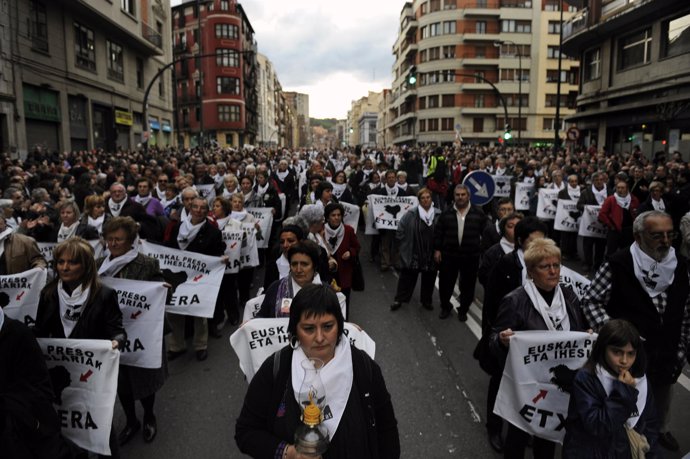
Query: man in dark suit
(198, 235)
(594, 196)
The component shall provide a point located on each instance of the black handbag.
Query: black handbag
(357, 276)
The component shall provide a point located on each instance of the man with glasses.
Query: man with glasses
(647, 284)
(161, 185)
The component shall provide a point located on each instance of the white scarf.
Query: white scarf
(248, 198)
(97, 223)
(557, 187)
(337, 377)
(228, 193)
(222, 222)
(373, 185)
(160, 193)
(599, 195)
(2, 318)
(521, 259)
(334, 236)
(659, 205)
(427, 216)
(13, 222)
(506, 245)
(654, 276)
(365, 175)
(261, 190)
(316, 237)
(111, 266)
(500, 171)
(623, 202)
(403, 186)
(4, 236)
(528, 179)
(188, 232)
(283, 266)
(116, 207)
(339, 189)
(143, 200)
(184, 215)
(556, 315)
(392, 191)
(238, 215)
(66, 232)
(71, 306)
(168, 202)
(282, 175)
(606, 379)
(574, 192)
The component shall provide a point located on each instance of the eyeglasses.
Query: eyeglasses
(661, 235)
(546, 267)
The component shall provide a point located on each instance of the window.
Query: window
(228, 85)
(425, 32)
(434, 5)
(552, 5)
(422, 125)
(480, 51)
(516, 26)
(479, 101)
(515, 123)
(449, 5)
(424, 9)
(555, 27)
(224, 5)
(161, 86)
(127, 6)
(516, 3)
(513, 100)
(477, 124)
(552, 52)
(480, 27)
(434, 53)
(448, 100)
(552, 101)
(139, 62)
(676, 36)
(514, 75)
(227, 57)
(185, 117)
(446, 124)
(449, 52)
(592, 64)
(432, 124)
(422, 103)
(115, 61)
(549, 124)
(229, 113)
(449, 27)
(230, 31)
(434, 29)
(84, 47)
(432, 102)
(38, 26)
(635, 49)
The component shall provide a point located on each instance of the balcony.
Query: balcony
(576, 24)
(471, 35)
(180, 48)
(151, 35)
(409, 26)
(482, 8)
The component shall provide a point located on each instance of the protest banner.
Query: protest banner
(46, 249)
(564, 220)
(590, 226)
(546, 203)
(369, 220)
(195, 279)
(502, 186)
(388, 210)
(232, 238)
(575, 280)
(20, 293)
(523, 193)
(249, 252)
(264, 217)
(529, 396)
(257, 339)
(207, 192)
(143, 309)
(83, 373)
(252, 306)
(351, 216)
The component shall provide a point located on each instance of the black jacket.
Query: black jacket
(208, 241)
(446, 233)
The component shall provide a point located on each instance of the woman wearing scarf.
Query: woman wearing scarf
(278, 266)
(251, 199)
(76, 305)
(230, 186)
(343, 244)
(617, 213)
(340, 189)
(540, 304)
(303, 258)
(171, 201)
(134, 383)
(245, 277)
(363, 422)
(94, 212)
(70, 226)
(415, 235)
(655, 200)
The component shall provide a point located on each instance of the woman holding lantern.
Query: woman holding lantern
(356, 413)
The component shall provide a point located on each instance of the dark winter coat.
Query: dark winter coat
(208, 241)
(446, 233)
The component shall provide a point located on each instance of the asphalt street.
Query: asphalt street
(438, 389)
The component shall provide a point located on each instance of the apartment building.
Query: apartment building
(635, 79)
(269, 132)
(299, 107)
(362, 120)
(216, 77)
(78, 71)
(479, 65)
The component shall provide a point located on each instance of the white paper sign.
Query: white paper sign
(252, 307)
(351, 216)
(528, 397)
(388, 210)
(523, 193)
(20, 293)
(564, 222)
(83, 373)
(575, 280)
(257, 339)
(195, 279)
(143, 309)
(546, 203)
(264, 217)
(232, 237)
(369, 220)
(207, 192)
(590, 226)
(249, 255)
(502, 186)
(46, 249)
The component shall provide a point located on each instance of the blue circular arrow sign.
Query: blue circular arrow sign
(482, 187)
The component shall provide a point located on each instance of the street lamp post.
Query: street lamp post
(519, 55)
(557, 140)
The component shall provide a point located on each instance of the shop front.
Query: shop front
(42, 115)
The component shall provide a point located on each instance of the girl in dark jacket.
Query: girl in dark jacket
(610, 400)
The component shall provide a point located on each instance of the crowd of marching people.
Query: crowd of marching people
(92, 209)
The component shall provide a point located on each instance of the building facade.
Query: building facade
(269, 132)
(216, 76)
(79, 70)
(635, 79)
(299, 106)
(458, 49)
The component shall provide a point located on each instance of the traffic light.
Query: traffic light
(507, 135)
(631, 138)
(412, 76)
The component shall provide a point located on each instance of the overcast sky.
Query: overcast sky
(334, 50)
